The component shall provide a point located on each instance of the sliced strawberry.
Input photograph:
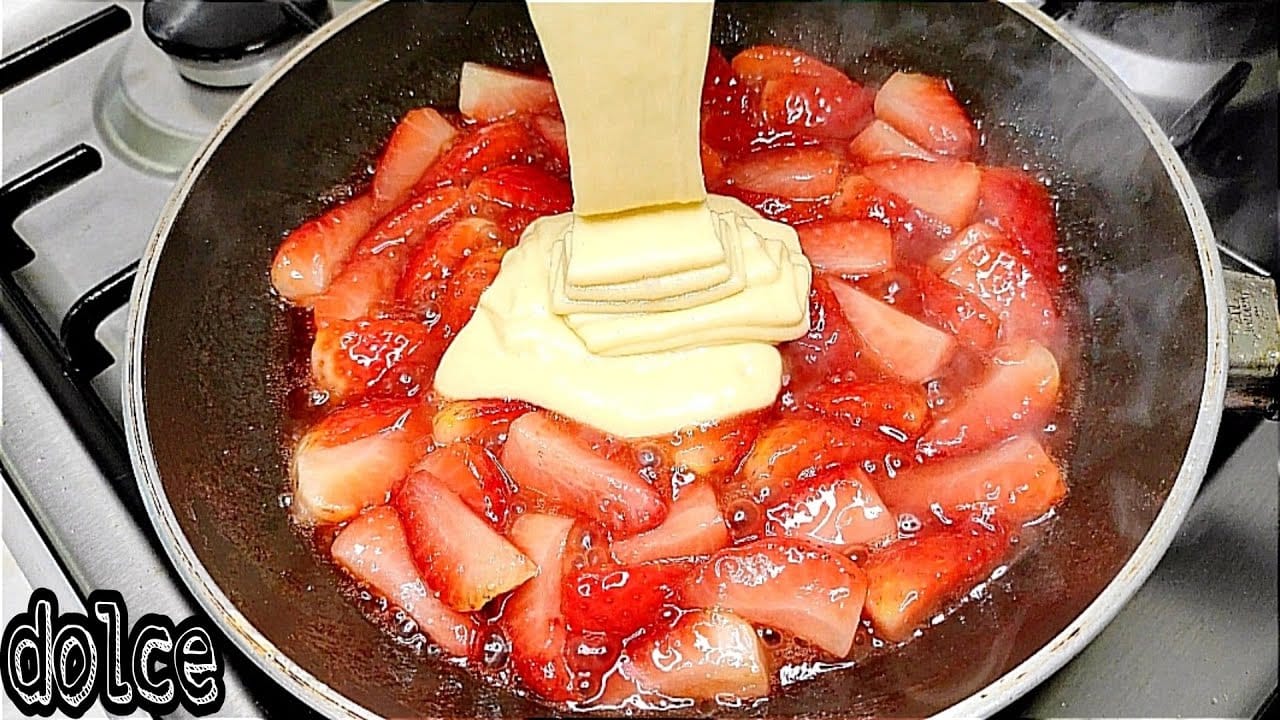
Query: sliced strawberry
(464, 560)
(531, 618)
(923, 109)
(712, 166)
(996, 273)
(713, 449)
(721, 86)
(460, 293)
(708, 655)
(792, 448)
(880, 142)
(797, 588)
(786, 210)
(374, 357)
(472, 473)
(621, 599)
(1018, 391)
(419, 138)
(373, 549)
(524, 187)
(369, 281)
(946, 190)
(727, 108)
(899, 410)
(1020, 205)
(760, 63)
(480, 421)
(354, 457)
(487, 93)
(505, 142)
(553, 135)
(847, 247)
(839, 509)
(693, 527)
(956, 310)
(1013, 482)
(789, 173)
(312, 254)
(829, 105)
(828, 349)
(899, 343)
(442, 253)
(542, 457)
(916, 234)
(913, 580)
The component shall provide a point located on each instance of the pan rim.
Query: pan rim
(986, 701)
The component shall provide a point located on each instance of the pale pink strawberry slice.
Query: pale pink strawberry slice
(466, 562)
(840, 509)
(829, 105)
(368, 282)
(792, 173)
(487, 93)
(1013, 482)
(1018, 392)
(708, 655)
(829, 348)
(946, 190)
(552, 132)
(994, 271)
(792, 586)
(374, 357)
(356, 456)
(312, 254)
(543, 457)
(472, 473)
(480, 421)
(913, 580)
(847, 247)
(880, 142)
(373, 549)
(531, 619)
(923, 109)
(693, 527)
(899, 343)
(712, 449)
(418, 139)
(761, 63)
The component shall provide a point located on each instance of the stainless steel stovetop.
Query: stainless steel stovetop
(1199, 639)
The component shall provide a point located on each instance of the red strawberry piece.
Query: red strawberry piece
(788, 450)
(354, 457)
(916, 235)
(897, 342)
(896, 409)
(693, 527)
(368, 282)
(1013, 482)
(956, 310)
(727, 108)
(487, 93)
(480, 421)
(505, 142)
(913, 580)
(460, 293)
(1020, 205)
(714, 448)
(378, 356)
(441, 255)
(466, 562)
(847, 247)
(418, 139)
(312, 254)
(760, 63)
(829, 105)
(524, 187)
(472, 473)
(1018, 391)
(621, 599)
(788, 173)
(541, 456)
(879, 142)
(995, 272)
(373, 549)
(708, 655)
(797, 588)
(712, 166)
(923, 109)
(828, 349)
(948, 191)
(786, 210)
(553, 135)
(531, 618)
(839, 509)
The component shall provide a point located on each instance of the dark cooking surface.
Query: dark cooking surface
(210, 310)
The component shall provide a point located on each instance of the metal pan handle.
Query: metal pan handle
(1253, 344)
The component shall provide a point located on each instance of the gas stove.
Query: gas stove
(92, 143)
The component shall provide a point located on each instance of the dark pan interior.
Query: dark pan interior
(215, 340)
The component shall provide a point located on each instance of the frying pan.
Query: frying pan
(210, 365)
